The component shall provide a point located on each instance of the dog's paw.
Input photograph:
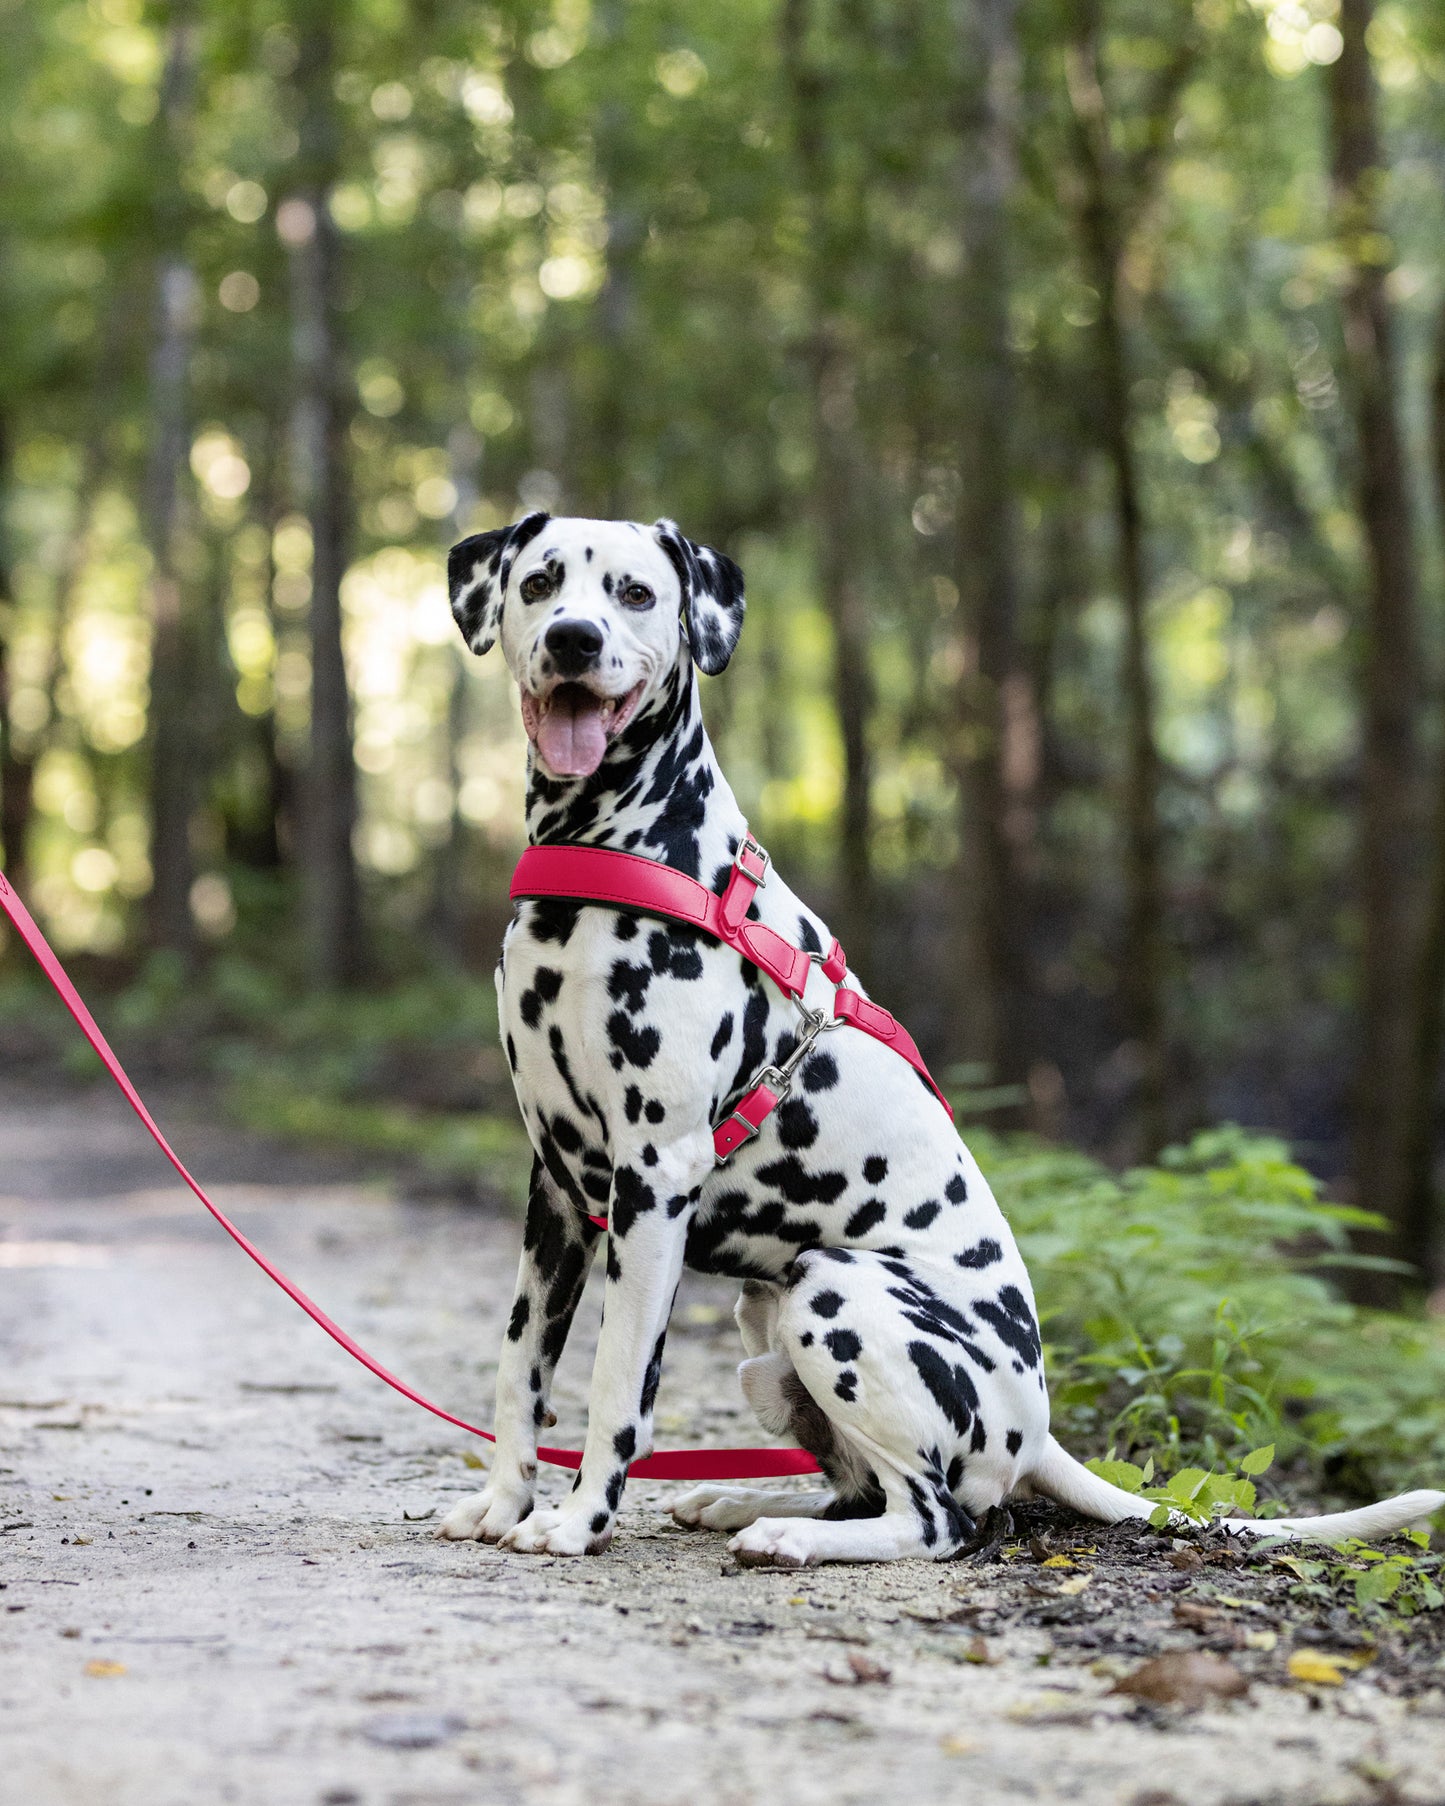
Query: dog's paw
(716, 1507)
(485, 1516)
(552, 1530)
(776, 1543)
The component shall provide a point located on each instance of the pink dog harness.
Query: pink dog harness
(628, 881)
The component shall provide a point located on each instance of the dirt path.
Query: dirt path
(219, 1581)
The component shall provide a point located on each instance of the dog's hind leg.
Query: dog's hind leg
(885, 1436)
(735, 1507)
(782, 1405)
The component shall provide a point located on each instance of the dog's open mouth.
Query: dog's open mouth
(572, 726)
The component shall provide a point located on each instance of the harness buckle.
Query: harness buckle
(736, 1130)
(752, 850)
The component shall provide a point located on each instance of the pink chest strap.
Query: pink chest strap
(628, 881)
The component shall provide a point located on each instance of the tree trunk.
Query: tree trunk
(174, 749)
(1142, 986)
(16, 773)
(836, 486)
(1419, 1220)
(320, 418)
(997, 769)
(1390, 675)
(616, 322)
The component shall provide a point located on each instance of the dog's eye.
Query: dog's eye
(536, 585)
(637, 595)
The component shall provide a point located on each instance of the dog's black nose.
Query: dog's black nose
(574, 645)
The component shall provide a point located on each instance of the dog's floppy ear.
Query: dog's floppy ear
(712, 597)
(477, 572)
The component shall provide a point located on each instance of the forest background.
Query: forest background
(1068, 376)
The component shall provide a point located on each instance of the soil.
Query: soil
(218, 1580)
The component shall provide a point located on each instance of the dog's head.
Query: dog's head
(594, 618)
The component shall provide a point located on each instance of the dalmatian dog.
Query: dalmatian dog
(886, 1315)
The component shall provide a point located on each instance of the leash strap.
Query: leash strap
(672, 1464)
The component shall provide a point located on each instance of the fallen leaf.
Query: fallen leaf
(417, 1517)
(866, 1670)
(959, 1746)
(1185, 1677)
(83, 1542)
(1058, 1561)
(1039, 1547)
(470, 1459)
(1188, 1561)
(977, 1652)
(104, 1671)
(798, 1599)
(1261, 1639)
(1207, 1618)
(1323, 1668)
(1072, 1587)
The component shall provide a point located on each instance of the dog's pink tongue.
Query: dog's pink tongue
(570, 736)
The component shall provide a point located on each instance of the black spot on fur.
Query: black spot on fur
(624, 1443)
(654, 1111)
(521, 1311)
(616, 1480)
(922, 1214)
(865, 1218)
(949, 1385)
(844, 1344)
(631, 1196)
(653, 1377)
(1014, 1441)
(846, 1385)
(875, 1169)
(723, 1035)
(808, 936)
(1013, 1323)
(626, 929)
(797, 1125)
(982, 1254)
(956, 1191)
(627, 984)
(637, 1046)
(546, 984)
(600, 1523)
(632, 1103)
(553, 919)
(798, 1185)
(826, 1304)
(820, 1072)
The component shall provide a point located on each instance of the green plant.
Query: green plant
(1193, 1492)
(1369, 1583)
(1189, 1311)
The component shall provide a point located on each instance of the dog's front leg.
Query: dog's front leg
(557, 1249)
(649, 1215)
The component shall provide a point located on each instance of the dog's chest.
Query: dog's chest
(611, 1024)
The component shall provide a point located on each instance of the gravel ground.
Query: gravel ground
(218, 1579)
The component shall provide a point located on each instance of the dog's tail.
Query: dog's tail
(1058, 1476)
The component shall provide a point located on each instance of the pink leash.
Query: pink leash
(672, 1464)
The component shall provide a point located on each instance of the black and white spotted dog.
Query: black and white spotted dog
(886, 1314)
